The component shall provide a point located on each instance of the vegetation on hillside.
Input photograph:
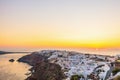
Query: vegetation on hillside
(117, 78)
(115, 71)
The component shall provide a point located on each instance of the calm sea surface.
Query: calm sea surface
(15, 70)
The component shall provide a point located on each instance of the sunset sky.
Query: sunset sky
(60, 23)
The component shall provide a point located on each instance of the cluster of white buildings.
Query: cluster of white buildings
(73, 63)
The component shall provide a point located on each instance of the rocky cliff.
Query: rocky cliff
(42, 69)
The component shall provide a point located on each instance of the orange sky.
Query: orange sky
(71, 24)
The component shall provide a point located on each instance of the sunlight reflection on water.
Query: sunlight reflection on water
(12, 71)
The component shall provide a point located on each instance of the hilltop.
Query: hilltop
(59, 65)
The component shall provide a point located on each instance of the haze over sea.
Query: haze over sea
(111, 52)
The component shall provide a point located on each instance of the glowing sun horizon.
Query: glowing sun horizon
(65, 24)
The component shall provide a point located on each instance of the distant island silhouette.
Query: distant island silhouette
(8, 52)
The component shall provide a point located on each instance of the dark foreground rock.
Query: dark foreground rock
(42, 69)
(11, 60)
